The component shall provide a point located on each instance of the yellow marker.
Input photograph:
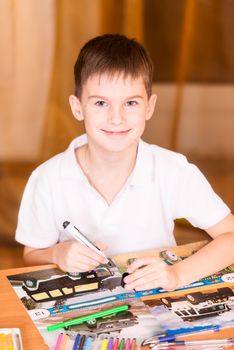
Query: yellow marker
(104, 344)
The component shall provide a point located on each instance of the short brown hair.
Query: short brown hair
(113, 54)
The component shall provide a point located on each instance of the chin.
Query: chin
(119, 146)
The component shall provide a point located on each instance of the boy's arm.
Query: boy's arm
(216, 255)
(70, 256)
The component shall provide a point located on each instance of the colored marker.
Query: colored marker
(104, 344)
(79, 236)
(116, 344)
(59, 341)
(64, 342)
(76, 342)
(133, 345)
(125, 274)
(127, 344)
(88, 343)
(198, 343)
(122, 344)
(82, 341)
(110, 343)
(83, 319)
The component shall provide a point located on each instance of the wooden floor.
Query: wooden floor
(13, 177)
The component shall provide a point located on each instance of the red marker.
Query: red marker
(116, 344)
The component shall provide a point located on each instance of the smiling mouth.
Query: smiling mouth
(112, 132)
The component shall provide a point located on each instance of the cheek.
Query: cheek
(138, 119)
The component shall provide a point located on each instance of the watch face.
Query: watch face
(169, 257)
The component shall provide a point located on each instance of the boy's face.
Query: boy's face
(114, 110)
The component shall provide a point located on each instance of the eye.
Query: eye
(100, 103)
(131, 103)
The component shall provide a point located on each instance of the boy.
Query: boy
(123, 193)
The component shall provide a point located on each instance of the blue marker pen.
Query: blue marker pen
(88, 343)
(76, 343)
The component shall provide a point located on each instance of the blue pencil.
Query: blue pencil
(76, 342)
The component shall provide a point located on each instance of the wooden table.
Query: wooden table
(13, 314)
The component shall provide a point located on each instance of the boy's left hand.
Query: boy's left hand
(149, 273)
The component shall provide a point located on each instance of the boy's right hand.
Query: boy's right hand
(74, 256)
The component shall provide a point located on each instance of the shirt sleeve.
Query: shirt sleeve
(36, 226)
(195, 200)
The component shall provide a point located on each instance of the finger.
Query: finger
(145, 286)
(156, 269)
(76, 266)
(166, 280)
(140, 262)
(80, 267)
(80, 262)
(92, 255)
(101, 245)
(151, 280)
(79, 259)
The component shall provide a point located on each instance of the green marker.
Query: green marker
(122, 344)
(83, 319)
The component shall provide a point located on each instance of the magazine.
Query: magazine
(52, 296)
(207, 304)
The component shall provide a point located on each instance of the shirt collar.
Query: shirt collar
(69, 166)
(142, 173)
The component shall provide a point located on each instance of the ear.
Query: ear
(151, 106)
(76, 107)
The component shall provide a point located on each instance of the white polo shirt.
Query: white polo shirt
(162, 187)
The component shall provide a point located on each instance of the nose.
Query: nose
(116, 116)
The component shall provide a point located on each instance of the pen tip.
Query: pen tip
(65, 224)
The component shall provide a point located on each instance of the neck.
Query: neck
(110, 162)
(106, 172)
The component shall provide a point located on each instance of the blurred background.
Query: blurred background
(192, 47)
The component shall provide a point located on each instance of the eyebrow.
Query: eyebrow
(106, 98)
